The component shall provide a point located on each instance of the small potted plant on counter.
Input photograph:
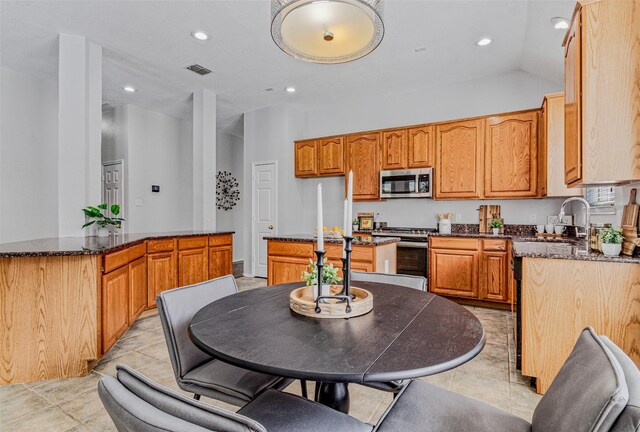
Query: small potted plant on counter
(355, 224)
(104, 222)
(329, 276)
(496, 224)
(611, 241)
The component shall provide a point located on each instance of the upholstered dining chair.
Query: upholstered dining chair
(596, 390)
(415, 282)
(196, 371)
(136, 404)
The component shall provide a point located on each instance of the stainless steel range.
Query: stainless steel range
(413, 248)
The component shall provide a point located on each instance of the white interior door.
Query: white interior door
(113, 185)
(265, 198)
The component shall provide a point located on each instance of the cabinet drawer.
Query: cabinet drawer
(291, 249)
(220, 240)
(116, 260)
(454, 243)
(164, 245)
(494, 245)
(137, 251)
(192, 243)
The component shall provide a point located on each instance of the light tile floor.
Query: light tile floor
(74, 405)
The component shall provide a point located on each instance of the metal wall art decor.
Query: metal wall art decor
(227, 193)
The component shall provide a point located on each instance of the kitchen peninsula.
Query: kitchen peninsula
(65, 301)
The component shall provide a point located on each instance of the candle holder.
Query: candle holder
(346, 268)
(320, 265)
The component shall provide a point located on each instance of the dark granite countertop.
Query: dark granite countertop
(88, 245)
(473, 235)
(568, 249)
(358, 240)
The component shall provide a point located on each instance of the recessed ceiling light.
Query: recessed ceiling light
(290, 89)
(421, 49)
(560, 23)
(483, 42)
(269, 89)
(200, 35)
(129, 89)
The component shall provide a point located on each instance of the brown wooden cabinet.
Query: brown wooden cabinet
(572, 105)
(394, 149)
(115, 306)
(421, 147)
(363, 158)
(220, 256)
(494, 282)
(331, 156)
(511, 156)
(193, 260)
(137, 287)
(161, 274)
(306, 158)
(459, 159)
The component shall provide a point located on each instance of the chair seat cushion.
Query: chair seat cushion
(231, 380)
(284, 412)
(425, 407)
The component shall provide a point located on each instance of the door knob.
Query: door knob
(270, 227)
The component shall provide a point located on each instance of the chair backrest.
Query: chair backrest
(629, 420)
(136, 404)
(177, 307)
(589, 392)
(415, 282)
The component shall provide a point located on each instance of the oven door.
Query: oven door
(412, 258)
(406, 183)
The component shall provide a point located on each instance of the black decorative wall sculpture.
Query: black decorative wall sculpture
(227, 193)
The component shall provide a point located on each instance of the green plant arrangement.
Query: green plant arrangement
(329, 274)
(98, 217)
(611, 236)
(355, 222)
(497, 223)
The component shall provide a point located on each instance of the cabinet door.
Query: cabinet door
(459, 159)
(137, 288)
(193, 266)
(306, 158)
(283, 269)
(394, 149)
(115, 306)
(162, 274)
(453, 272)
(511, 156)
(331, 156)
(573, 105)
(421, 147)
(220, 261)
(363, 158)
(494, 276)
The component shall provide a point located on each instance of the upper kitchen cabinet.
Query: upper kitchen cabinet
(306, 158)
(363, 158)
(421, 147)
(394, 149)
(331, 156)
(459, 159)
(551, 149)
(602, 94)
(511, 156)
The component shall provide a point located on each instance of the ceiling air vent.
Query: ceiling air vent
(200, 70)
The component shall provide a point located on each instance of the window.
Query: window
(601, 199)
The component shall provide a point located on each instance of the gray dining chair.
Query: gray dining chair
(137, 404)
(415, 282)
(196, 371)
(596, 390)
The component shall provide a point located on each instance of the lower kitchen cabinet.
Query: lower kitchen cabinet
(137, 287)
(193, 260)
(454, 272)
(161, 271)
(115, 306)
(494, 277)
(220, 256)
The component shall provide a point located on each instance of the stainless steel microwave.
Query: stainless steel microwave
(413, 183)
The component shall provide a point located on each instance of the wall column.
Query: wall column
(204, 160)
(79, 131)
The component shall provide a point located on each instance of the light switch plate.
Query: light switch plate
(138, 202)
(567, 220)
(553, 220)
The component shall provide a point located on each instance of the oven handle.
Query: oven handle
(408, 244)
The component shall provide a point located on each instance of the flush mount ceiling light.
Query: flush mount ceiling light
(327, 31)
(560, 23)
(129, 89)
(483, 42)
(200, 35)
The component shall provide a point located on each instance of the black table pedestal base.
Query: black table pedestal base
(333, 395)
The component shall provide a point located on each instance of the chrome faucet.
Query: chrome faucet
(587, 224)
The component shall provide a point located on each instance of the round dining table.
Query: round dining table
(408, 334)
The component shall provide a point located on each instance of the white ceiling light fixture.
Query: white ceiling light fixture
(129, 89)
(200, 35)
(483, 42)
(327, 31)
(560, 23)
(290, 89)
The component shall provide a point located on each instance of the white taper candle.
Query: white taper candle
(320, 223)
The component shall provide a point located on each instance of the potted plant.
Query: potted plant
(104, 222)
(329, 275)
(496, 224)
(611, 241)
(355, 224)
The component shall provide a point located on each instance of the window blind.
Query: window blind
(601, 197)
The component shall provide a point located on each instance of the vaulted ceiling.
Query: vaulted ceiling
(148, 43)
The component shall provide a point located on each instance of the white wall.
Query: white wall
(229, 157)
(29, 154)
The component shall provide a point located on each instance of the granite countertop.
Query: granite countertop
(473, 235)
(569, 249)
(358, 240)
(88, 245)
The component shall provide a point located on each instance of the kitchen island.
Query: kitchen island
(65, 301)
(288, 255)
